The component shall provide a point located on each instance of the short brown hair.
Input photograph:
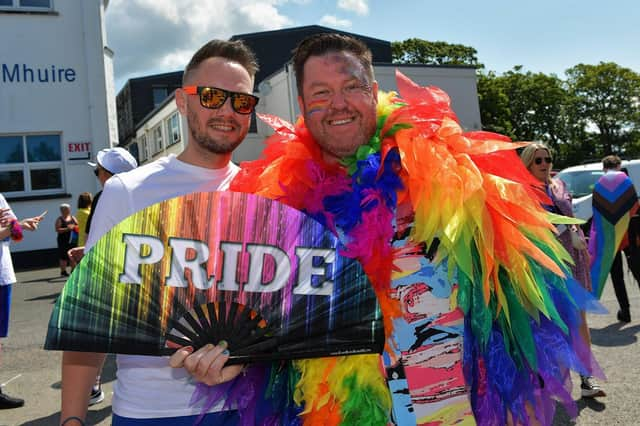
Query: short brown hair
(320, 44)
(84, 200)
(611, 162)
(236, 51)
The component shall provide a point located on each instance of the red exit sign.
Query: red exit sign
(79, 150)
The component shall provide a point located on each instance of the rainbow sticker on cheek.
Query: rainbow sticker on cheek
(317, 106)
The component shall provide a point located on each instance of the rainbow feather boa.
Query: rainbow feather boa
(520, 304)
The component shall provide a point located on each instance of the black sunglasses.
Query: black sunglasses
(214, 98)
(96, 171)
(547, 160)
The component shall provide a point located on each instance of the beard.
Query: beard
(215, 145)
(341, 145)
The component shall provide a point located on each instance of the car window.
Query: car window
(581, 182)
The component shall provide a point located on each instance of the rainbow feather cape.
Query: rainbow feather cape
(469, 191)
(614, 202)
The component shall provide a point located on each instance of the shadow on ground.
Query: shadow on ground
(93, 417)
(41, 280)
(616, 334)
(52, 296)
(562, 418)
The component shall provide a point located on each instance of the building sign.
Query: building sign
(79, 150)
(23, 73)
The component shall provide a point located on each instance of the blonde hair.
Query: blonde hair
(528, 154)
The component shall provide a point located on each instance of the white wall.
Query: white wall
(71, 37)
(278, 96)
(458, 82)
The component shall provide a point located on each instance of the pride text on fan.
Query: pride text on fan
(192, 255)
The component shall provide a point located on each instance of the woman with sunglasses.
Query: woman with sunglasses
(538, 160)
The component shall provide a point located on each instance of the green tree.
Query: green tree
(525, 106)
(605, 102)
(495, 114)
(418, 51)
(536, 102)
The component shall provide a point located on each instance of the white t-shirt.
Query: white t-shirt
(147, 387)
(7, 276)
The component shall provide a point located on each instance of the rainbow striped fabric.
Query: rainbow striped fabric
(614, 202)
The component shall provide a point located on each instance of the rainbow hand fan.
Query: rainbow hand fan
(215, 266)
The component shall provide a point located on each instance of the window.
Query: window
(30, 164)
(157, 139)
(133, 149)
(580, 183)
(142, 148)
(159, 95)
(26, 4)
(173, 128)
(36, 3)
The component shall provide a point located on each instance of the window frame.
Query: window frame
(26, 167)
(157, 137)
(15, 6)
(173, 138)
(155, 90)
(143, 153)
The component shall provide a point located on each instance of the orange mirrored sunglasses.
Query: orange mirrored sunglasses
(214, 98)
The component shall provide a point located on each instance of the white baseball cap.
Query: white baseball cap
(115, 160)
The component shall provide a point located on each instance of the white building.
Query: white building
(163, 130)
(57, 107)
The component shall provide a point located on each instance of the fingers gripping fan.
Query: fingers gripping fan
(215, 266)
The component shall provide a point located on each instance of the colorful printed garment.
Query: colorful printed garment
(481, 315)
(614, 202)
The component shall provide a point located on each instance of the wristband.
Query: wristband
(68, 419)
(16, 230)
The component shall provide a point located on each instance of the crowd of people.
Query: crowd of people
(432, 209)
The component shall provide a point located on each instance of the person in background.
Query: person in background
(82, 214)
(109, 161)
(217, 101)
(633, 250)
(625, 202)
(538, 160)
(65, 226)
(10, 231)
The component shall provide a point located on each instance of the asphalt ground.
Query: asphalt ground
(34, 373)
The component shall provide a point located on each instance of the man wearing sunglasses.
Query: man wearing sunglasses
(217, 101)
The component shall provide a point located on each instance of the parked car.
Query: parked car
(581, 179)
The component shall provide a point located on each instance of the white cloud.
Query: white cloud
(264, 15)
(335, 22)
(358, 6)
(153, 36)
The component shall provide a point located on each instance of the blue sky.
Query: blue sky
(150, 36)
